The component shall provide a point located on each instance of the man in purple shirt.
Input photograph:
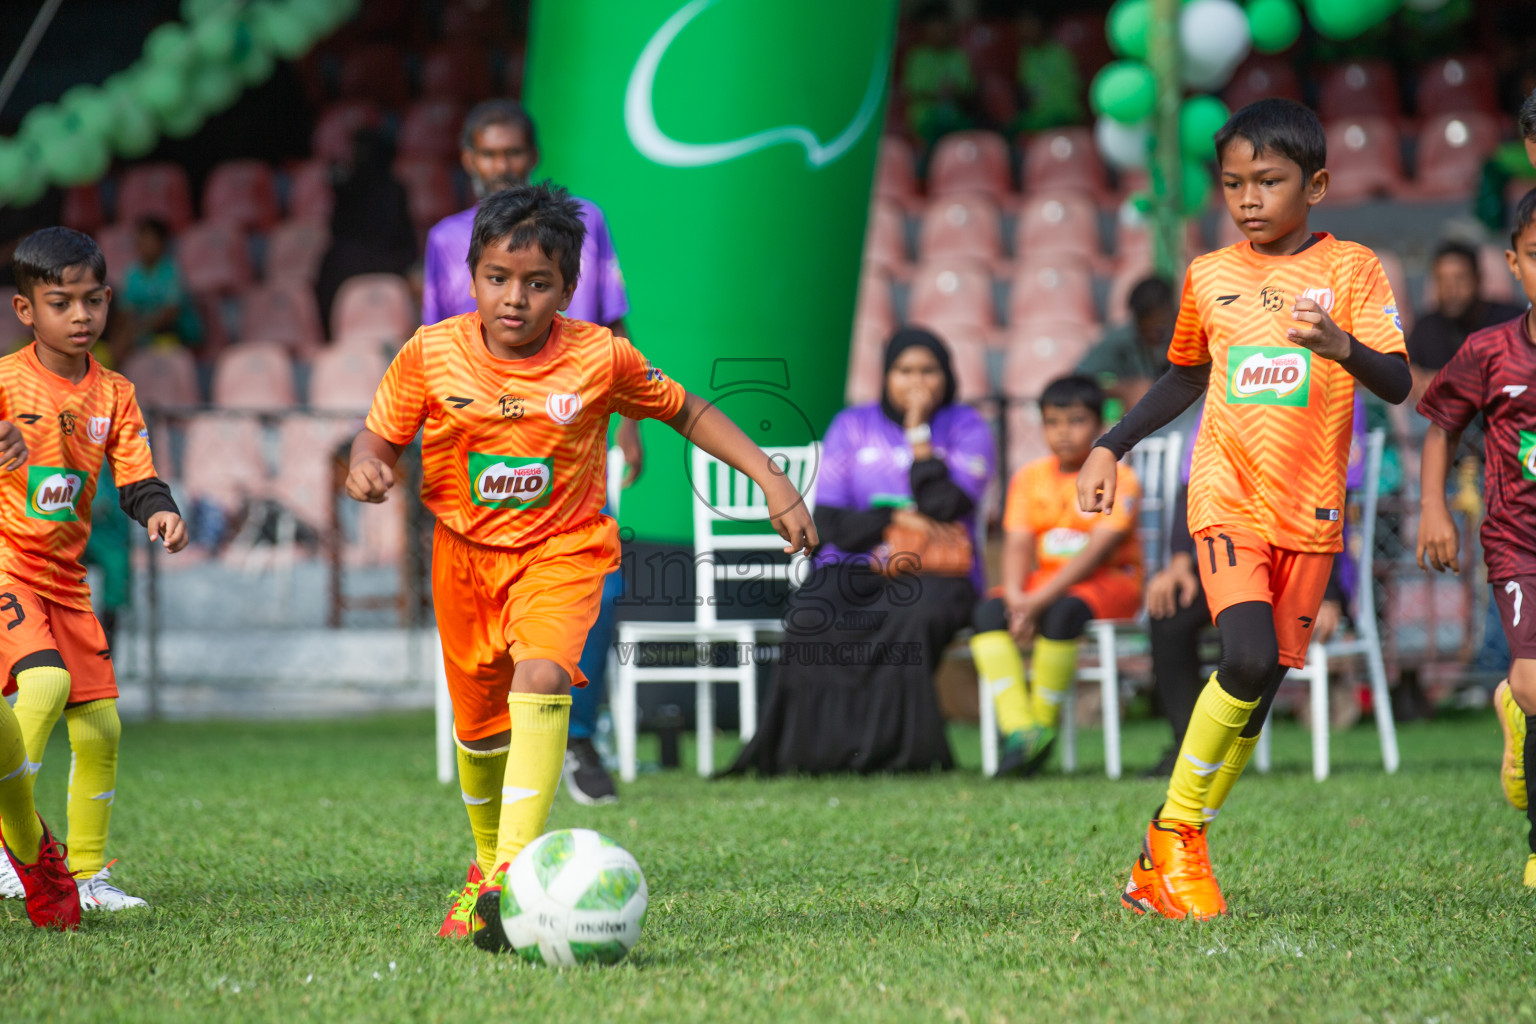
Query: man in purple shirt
(499, 151)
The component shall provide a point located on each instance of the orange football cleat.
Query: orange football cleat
(1183, 884)
(460, 922)
(1137, 896)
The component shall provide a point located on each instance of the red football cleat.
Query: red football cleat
(53, 899)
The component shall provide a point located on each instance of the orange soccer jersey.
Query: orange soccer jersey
(1274, 446)
(46, 504)
(1042, 498)
(513, 451)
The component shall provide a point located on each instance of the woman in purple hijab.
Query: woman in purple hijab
(853, 690)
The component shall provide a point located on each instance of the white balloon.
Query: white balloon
(1204, 77)
(1213, 34)
(1123, 146)
(1424, 5)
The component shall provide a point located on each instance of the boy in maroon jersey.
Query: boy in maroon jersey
(1494, 373)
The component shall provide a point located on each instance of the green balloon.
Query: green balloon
(1334, 19)
(216, 37)
(1274, 24)
(161, 88)
(1200, 118)
(255, 65)
(13, 162)
(214, 88)
(134, 132)
(278, 29)
(1124, 90)
(1197, 187)
(44, 123)
(1128, 26)
(94, 108)
(169, 44)
(26, 191)
(196, 10)
(76, 159)
(184, 121)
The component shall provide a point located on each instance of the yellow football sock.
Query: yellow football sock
(540, 724)
(998, 661)
(18, 818)
(1226, 776)
(480, 780)
(94, 732)
(40, 697)
(1217, 720)
(1055, 668)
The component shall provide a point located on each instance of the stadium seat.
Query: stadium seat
(1061, 221)
(295, 249)
(375, 303)
(1359, 89)
(283, 312)
(952, 291)
(971, 161)
(254, 375)
(968, 346)
(874, 305)
(83, 209)
(303, 482)
(1052, 289)
(119, 247)
(155, 190)
(309, 192)
(866, 362)
(1261, 77)
(896, 173)
(242, 193)
(429, 191)
(214, 258)
(331, 142)
(1063, 158)
(1451, 152)
(1454, 85)
(375, 72)
(1039, 351)
(962, 225)
(1026, 436)
(460, 73)
(1397, 279)
(430, 131)
(1082, 32)
(1134, 247)
(344, 379)
(885, 237)
(163, 377)
(1365, 159)
(222, 460)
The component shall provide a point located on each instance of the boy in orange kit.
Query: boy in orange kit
(1275, 332)
(515, 401)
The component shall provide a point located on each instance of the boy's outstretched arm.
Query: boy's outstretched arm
(1385, 374)
(700, 422)
(1174, 392)
(372, 471)
(1437, 530)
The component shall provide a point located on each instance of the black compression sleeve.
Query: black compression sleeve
(1174, 392)
(1386, 375)
(143, 499)
(937, 496)
(850, 530)
(1179, 539)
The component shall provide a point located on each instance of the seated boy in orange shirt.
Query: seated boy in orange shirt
(1061, 568)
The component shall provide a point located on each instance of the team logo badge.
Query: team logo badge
(1272, 299)
(97, 427)
(1397, 318)
(563, 408)
(510, 481)
(1528, 454)
(67, 421)
(511, 407)
(1062, 542)
(1268, 375)
(653, 374)
(1322, 296)
(52, 492)
(144, 436)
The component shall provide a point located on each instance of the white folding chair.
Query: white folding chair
(721, 496)
(1155, 461)
(1367, 640)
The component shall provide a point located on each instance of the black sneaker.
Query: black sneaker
(1164, 766)
(585, 777)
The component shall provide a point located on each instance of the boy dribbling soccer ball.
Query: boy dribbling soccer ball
(1275, 332)
(514, 400)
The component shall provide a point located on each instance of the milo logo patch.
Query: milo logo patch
(1062, 542)
(52, 492)
(1268, 375)
(1528, 454)
(510, 481)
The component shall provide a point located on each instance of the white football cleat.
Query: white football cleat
(10, 882)
(96, 893)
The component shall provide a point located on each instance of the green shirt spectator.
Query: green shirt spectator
(936, 78)
(153, 305)
(1131, 356)
(1049, 82)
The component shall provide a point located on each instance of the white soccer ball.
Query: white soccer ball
(573, 897)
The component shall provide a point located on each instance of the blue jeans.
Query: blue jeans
(585, 701)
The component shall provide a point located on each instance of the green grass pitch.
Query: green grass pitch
(300, 871)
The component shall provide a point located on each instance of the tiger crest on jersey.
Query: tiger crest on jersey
(1268, 375)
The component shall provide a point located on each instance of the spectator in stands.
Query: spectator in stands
(894, 580)
(1460, 310)
(153, 307)
(499, 150)
(1131, 356)
(936, 77)
(371, 230)
(1049, 84)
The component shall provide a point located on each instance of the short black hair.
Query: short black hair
(1528, 118)
(1280, 126)
(1461, 250)
(1525, 216)
(1149, 295)
(544, 215)
(484, 114)
(44, 256)
(1073, 390)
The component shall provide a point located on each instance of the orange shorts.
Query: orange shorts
(1238, 565)
(1109, 595)
(33, 623)
(498, 606)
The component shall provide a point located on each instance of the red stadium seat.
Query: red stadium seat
(284, 312)
(295, 249)
(119, 247)
(344, 380)
(1261, 77)
(885, 238)
(1454, 85)
(461, 73)
(1134, 247)
(1359, 89)
(430, 131)
(1083, 33)
(968, 346)
(375, 72)
(254, 375)
(1052, 289)
(162, 376)
(1063, 158)
(309, 192)
(874, 304)
(964, 225)
(1062, 221)
(1365, 159)
(222, 460)
(332, 139)
(83, 208)
(952, 291)
(429, 190)
(214, 258)
(377, 303)
(1026, 438)
(242, 193)
(1452, 149)
(306, 447)
(896, 174)
(1392, 266)
(1039, 351)
(155, 190)
(973, 161)
(866, 359)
